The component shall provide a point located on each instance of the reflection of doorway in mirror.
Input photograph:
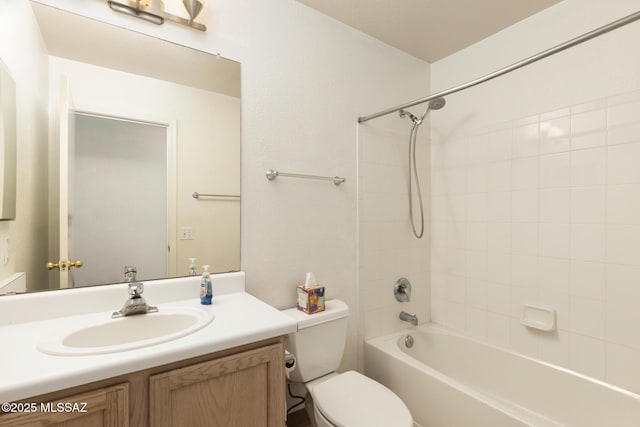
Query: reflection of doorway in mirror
(120, 201)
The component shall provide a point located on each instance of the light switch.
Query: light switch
(186, 233)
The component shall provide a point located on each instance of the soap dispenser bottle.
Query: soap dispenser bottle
(192, 267)
(206, 289)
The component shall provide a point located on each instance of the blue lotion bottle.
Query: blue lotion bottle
(206, 289)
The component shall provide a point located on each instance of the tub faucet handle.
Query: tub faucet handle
(402, 290)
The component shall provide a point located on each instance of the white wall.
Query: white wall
(23, 53)
(305, 80)
(535, 192)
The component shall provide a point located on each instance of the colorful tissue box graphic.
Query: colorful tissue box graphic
(310, 300)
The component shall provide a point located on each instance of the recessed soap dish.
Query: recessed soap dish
(539, 317)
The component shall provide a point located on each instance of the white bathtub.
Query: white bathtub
(450, 380)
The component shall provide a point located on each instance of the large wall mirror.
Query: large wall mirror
(7, 145)
(136, 126)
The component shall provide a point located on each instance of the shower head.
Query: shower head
(436, 104)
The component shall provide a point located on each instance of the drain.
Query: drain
(408, 341)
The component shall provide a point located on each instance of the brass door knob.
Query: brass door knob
(64, 265)
(52, 265)
(77, 263)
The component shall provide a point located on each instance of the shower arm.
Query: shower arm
(551, 51)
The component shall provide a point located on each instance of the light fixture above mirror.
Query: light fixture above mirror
(153, 11)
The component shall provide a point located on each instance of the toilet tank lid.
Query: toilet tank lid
(333, 310)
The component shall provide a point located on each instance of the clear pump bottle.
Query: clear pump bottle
(192, 267)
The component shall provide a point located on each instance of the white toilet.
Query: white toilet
(343, 400)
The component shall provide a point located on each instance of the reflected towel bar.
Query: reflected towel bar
(273, 174)
(197, 195)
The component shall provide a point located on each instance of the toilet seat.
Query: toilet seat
(353, 400)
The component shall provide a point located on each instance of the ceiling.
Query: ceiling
(429, 29)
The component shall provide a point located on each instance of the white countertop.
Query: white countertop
(24, 371)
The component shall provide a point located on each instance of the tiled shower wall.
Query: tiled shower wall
(544, 210)
(388, 249)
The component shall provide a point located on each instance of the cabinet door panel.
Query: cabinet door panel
(105, 407)
(244, 389)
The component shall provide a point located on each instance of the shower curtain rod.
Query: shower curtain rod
(552, 51)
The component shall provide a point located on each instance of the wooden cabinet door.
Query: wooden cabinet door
(243, 389)
(105, 407)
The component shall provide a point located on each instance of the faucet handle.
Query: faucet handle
(130, 274)
(402, 290)
(136, 289)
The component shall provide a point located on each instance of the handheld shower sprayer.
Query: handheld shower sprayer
(434, 104)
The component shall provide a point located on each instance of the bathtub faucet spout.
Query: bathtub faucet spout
(411, 318)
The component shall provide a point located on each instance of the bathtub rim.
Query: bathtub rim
(384, 341)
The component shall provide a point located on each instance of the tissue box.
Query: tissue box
(310, 300)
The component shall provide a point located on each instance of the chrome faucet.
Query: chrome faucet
(135, 304)
(411, 318)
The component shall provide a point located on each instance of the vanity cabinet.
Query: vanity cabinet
(238, 390)
(242, 386)
(108, 407)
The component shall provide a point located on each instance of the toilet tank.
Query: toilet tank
(319, 343)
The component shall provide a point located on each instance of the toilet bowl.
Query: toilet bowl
(348, 399)
(352, 399)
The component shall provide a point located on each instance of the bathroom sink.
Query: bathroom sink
(107, 335)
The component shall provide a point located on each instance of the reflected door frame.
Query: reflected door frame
(56, 241)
